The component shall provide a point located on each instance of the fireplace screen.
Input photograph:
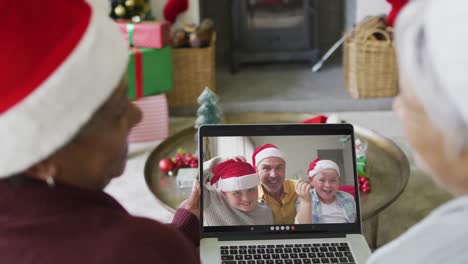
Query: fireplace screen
(275, 14)
(273, 30)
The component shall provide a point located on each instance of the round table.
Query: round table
(387, 166)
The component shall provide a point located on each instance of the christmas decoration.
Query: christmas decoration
(166, 165)
(149, 34)
(397, 5)
(135, 10)
(361, 162)
(155, 122)
(194, 36)
(173, 8)
(364, 184)
(48, 46)
(182, 159)
(208, 111)
(149, 72)
(320, 119)
(185, 177)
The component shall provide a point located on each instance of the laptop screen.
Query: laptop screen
(278, 179)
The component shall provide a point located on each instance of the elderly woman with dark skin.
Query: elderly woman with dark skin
(64, 122)
(430, 40)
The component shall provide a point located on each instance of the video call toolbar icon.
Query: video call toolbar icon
(282, 228)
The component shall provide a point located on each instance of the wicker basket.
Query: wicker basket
(194, 69)
(369, 63)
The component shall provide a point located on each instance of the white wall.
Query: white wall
(360, 8)
(192, 15)
(371, 7)
(299, 151)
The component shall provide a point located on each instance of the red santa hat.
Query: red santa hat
(59, 66)
(265, 151)
(317, 165)
(232, 175)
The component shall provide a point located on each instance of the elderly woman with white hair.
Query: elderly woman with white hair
(431, 39)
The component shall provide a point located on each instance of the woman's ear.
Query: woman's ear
(42, 170)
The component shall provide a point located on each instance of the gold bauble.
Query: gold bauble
(130, 3)
(119, 11)
(136, 19)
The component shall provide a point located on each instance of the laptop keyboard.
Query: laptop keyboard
(287, 254)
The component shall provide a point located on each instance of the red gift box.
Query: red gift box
(155, 122)
(153, 34)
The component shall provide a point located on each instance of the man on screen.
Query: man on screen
(279, 192)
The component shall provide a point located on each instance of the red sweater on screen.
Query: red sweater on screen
(63, 224)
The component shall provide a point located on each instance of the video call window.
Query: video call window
(243, 191)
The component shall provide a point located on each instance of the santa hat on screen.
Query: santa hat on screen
(317, 165)
(232, 175)
(72, 58)
(265, 151)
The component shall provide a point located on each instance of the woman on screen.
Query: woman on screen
(234, 200)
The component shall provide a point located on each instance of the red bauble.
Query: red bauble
(362, 179)
(179, 164)
(366, 189)
(188, 159)
(194, 163)
(179, 156)
(166, 165)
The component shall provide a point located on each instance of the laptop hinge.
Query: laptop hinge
(280, 236)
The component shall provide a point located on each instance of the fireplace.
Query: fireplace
(273, 30)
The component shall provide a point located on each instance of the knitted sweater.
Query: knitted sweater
(218, 212)
(64, 224)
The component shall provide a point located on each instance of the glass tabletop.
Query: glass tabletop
(387, 165)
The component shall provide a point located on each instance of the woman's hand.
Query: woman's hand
(239, 158)
(193, 202)
(303, 189)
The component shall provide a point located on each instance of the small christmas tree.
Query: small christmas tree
(136, 10)
(208, 111)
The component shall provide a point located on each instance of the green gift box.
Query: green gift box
(149, 72)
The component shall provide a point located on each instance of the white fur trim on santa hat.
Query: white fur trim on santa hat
(323, 165)
(238, 183)
(53, 114)
(430, 40)
(267, 153)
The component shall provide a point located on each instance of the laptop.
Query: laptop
(270, 243)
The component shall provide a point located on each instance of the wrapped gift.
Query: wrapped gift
(153, 34)
(149, 72)
(155, 122)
